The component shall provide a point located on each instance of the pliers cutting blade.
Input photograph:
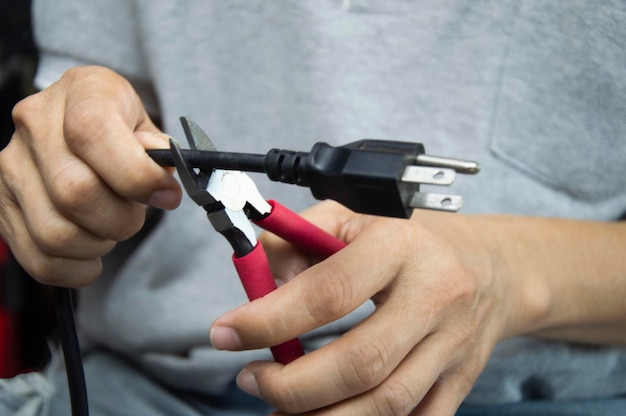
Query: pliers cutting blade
(232, 201)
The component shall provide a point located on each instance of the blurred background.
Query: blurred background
(26, 308)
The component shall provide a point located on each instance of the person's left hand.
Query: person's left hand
(439, 313)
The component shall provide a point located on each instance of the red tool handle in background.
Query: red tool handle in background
(8, 337)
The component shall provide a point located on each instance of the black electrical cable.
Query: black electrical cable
(67, 327)
(248, 162)
(71, 351)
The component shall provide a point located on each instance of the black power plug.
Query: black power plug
(379, 177)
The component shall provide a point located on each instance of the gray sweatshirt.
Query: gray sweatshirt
(534, 91)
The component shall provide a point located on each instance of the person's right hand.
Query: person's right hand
(75, 177)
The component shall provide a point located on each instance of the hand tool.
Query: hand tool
(232, 200)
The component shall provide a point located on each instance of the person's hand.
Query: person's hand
(75, 178)
(439, 312)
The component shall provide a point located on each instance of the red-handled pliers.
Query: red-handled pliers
(232, 200)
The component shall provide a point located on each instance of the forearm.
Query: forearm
(571, 275)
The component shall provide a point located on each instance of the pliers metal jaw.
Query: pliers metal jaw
(225, 195)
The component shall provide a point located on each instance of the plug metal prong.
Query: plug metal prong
(459, 165)
(439, 202)
(428, 175)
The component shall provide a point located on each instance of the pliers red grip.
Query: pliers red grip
(232, 201)
(254, 270)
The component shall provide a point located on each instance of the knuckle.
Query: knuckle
(81, 117)
(289, 401)
(136, 183)
(466, 290)
(367, 365)
(55, 271)
(58, 237)
(57, 256)
(21, 110)
(73, 189)
(394, 398)
(82, 197)
(332, 300)
(128, 224)
(76, 72)
(77, 116)
(455, 287)
(43, 270)
(88, 74)
(282, 393)
(55, 236)
(24, 109)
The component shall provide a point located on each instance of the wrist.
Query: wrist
(523, 290)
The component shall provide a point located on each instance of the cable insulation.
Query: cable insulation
(71, 351)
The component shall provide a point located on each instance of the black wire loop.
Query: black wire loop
(71, 351)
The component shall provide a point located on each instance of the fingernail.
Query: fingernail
(165, 199)
(224, 338)
(247, 383)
